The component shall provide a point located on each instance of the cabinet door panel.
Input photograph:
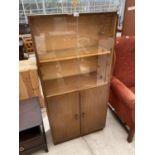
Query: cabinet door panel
(63, 113)
(93, 109)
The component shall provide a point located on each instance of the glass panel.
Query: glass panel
(74, 52)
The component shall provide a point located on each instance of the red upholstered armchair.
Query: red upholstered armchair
(122, 89)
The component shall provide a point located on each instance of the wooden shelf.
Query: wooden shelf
(62, 69)
(71, 84)
(72, 53)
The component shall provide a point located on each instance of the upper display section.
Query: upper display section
(73, 52)
(63, 37)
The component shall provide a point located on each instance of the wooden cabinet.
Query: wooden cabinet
(74, 57)
(77, 113)
(29, 84)
(31, 128)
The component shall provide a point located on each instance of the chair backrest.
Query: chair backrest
(124, 68)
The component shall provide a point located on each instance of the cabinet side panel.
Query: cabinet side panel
(23, 93)
(64, 117)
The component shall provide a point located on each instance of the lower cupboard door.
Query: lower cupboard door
(63, 112)
(93, 109)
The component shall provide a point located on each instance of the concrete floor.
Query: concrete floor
(110, 141)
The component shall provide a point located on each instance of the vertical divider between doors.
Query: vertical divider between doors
(80, 119)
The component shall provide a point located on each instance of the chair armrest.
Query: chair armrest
(123, 93)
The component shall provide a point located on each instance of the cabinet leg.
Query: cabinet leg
(130, 135)
(46, 149)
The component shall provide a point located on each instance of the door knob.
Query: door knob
(83, 114)
(76, 116)
(21, 149)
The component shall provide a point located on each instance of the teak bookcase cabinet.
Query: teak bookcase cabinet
(74, 56)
